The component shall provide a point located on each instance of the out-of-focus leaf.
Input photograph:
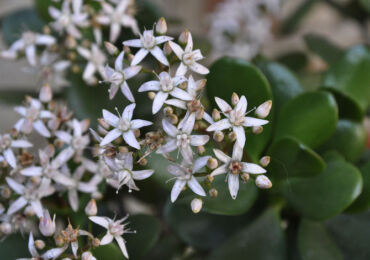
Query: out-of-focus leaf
(362, 203)
(351, 75)
(228, 75)
(284, 85)
(349, 139)
(310, 117)
(110, 251)
(42, 7)
(14, 247)
(326, 194)
(292, 21)
(315, 243)
(321, 46)
(290, 158)
(262, 240)
(295, 61)
(147, 233)
(166, 248)
(14, 24)
(365, 4)
(14, 97)
(147, 13)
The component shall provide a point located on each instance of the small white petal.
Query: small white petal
(63, 157)
(127, 92)
(251, 121)
(168, 147)
(220, 170)
(111, 119)
(189, 44)
(130, 139)
(176, 103)
(152, 85)
(219, 125)
(131, 71)
(200, 163)
(17, 205)
(115, 30)
(221, 156)
(199, 68)
(169, 128)
(63, 136)
(196, 187)
(197, 140)
(187, 153)
(128, 111)
(241, 107)
(223, 105)
(74, 246)
(176, 49)
(159, 100)
(10, 157)
(111, 136)
(31, 54)
(32, 171)
(118, 64)
(18, 188)
(252, 168)
(73, 199)
(41, 128)
(181, 94)
(89, 71)
(188, 124)
(139, 56)
(141, 175)
(176, 189)
(122, 245)
(237, 152)
(162, 39)
(175, 170)
(45, 40)
(133, 43)
(107, 239)
(54, 253)
(181, 70)
(102, 221)
(233, 182)
(31, 246)
(240, 135)
(159, 55)
(37, 207)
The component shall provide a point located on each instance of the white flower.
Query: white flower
(184, 175)
(32, 249)
(28, 43)
(33, 116)
(29, 195)
(95, 62)
(148, 43)
(234, 167)
(6, 145)
(181, 138)
(166, 85)
(118, 76)
(235, 119)
(188, 58)
(115, 230)
(47, 225)
(123, 126)
(122, 166)
(68, 21)
(52, 69)
(117, 17)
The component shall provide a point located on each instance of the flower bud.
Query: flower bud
(151, 95)
(210, 178)
(123, 149)
(263, 182)
(183, 38)
(161, 27)
(46, 29)
(59, 241)
(196, 205)
(91, 209)
(257, 129)
(87, 256)
(213, 193)
(218, 136)
(212, 163)
(232, 136)
(173, 119)
(29, 211)
(234, 99)
(216, 115)
(5, 192)
(47, 226)
(137, 133)
(265, 161)
(263, 110)
(39, 244)
(167, 49)
(103, 123)
(96, 242)
(111, 49)
(45, 94)
(167, 111)
(245, 177)
(201, 150)
(6, 228)
(143, 162)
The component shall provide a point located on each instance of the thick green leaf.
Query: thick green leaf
(365, 4)
(349, 139)
(14, 24)
(352, 234)
(42, 7)
(328, 51)
(362, 203)
(110, 251)
(228, 75)
(326, 194)
(310, 117)
(202, 230)
(315, 243)
(262, 240)
(14, 247)
(351, 75)
(295, 60)
(147, 234)
(284, 85)
(290, 158)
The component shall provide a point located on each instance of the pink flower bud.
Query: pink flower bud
(161, 27)
(91, 208)
(46, 94)
(196, 205)
(263, 110)
(263, 182)
(47, 226)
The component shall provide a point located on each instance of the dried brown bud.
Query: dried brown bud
(245, 177)
(265, 161)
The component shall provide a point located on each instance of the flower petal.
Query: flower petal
(188, 124)
(176, 103)
(41, 128)
(131, 71)
(168, 147)
(251, 121)
(73, 199)
(198, 140)
(32, 171)
(111, 136)
(240, 135)
(196, 187)
(17, 205)
(181, 70)
(130, 139)
(159, 100)
(63, 136)
(111, 118)
(37, 207)
(233, 182)
(159, 55)
(220, 170)
(128, 111)
(200, 163)
(181, 94)
(152, 85)
(136, 43)
(241, 107)
(199, 68)
(176, 189)
(176, 49)
(223, 105)
(252, 168)
(10, 157)
(219, 125)
(141, 175)
(118, 64)
(138, 123)
(102, 221)
(169, 128)
(139, 56)
(122, 245)
(162, 39)
(127, 92)
(237, 152)
(17, 187)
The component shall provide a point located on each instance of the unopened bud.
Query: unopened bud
(245, 177)
(183, 85)
(201, 150)
(39, 244)
(59, 241)
(47, 225)
(45, 94)
(265, 161)
(212, 163)
(5, 192)
(137, 133)
(6, 228)
(161, 27)
(216, 115)
(200, 114)
(210, 178)
(263, 182)
(183, 38)
(263, 110)
(103, 123)
(111, 49)
(123, 149)
(167, 111)
(143, 162)
(257, 129)
(218, 136)
(126, 49)
(201, 84)
(232, 136)
(46, 29)
(173, 119)
(87, 256)
(75, 68)
(96, 242)
(196, 205)
(213, 193)
(196, 126)
(151, 95)
(234, 99)
(91, 209)
(29, 211)
(167, 50)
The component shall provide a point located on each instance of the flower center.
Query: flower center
(188, 58)
(79, 142)
(117, 78)
(64, 20)
(194, 105)
(235, 167)
(123, 124)
(148, 40)
(32, 113)
(29, 38)
(183, 140)
(166, 84)
(116, 229)
(97, 57)
(5, 142)
(235, 118)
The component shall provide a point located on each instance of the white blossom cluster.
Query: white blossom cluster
(239, 28)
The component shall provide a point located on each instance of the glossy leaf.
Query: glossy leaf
(326, 194)
(295, 60)
(110, 251)
(290, 158)
(349, 140)
(311, 118)
(351, 75)
(228, 75)
(315, 243)
(324, 48)
(14, 247)
(362, 203)
(261, 240)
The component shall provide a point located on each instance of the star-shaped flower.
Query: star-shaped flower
(6, 145)
(184, 175)
(123, 126)
(188, 58)
(234, 167)
(118, 77)
(95, 62)
(148, 43)
(166, 85)
(235, 119)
